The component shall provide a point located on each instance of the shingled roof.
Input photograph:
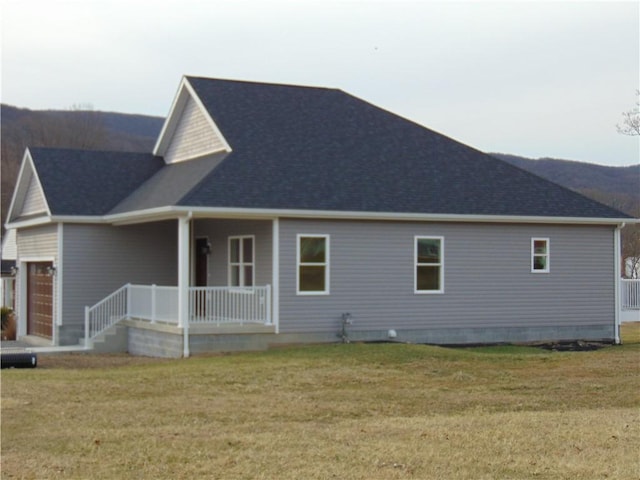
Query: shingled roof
(86, 182)
(323, 149)
(305, 148)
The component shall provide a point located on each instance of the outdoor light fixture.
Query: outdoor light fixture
(14, 271)
(50, 271)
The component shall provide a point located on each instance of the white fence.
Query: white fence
(630, 294)
(207, 305)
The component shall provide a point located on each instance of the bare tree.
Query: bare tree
(631, 120)
(630, 240)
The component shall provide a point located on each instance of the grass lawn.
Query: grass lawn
(357, 411)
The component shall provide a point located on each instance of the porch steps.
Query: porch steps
(113, 340)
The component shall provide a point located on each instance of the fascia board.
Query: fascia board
(169, 213)
(173, 212)
(170, 122)
(21, 188)
(19, 182)
(30, 222)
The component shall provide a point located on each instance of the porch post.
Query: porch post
(183, 280)
(275, 281)
(617, 273)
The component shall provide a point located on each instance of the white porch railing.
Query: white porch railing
(105, 313)
(230, 305)
(207, 305)
(153, 303)
(630, 294)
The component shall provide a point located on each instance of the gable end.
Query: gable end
(189, 132)
(28, 197)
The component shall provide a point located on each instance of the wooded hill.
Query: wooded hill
(76, 128)
(615, 186)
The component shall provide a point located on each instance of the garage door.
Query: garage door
(39, 299)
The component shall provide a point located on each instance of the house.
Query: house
(270, 214)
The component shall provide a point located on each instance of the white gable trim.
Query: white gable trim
(27, 179)
(185, 94)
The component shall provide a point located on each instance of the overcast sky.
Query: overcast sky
(537, 79)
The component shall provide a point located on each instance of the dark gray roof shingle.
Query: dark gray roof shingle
(85, 182)
(323, 149)
(307, 148)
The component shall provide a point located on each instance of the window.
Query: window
(241, 261)
(540, 255)
(313, 265)
(429, 265)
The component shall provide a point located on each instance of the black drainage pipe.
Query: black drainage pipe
(19, 360)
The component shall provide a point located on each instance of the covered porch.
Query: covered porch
(160, 304)
(211, 310)
(225, 279)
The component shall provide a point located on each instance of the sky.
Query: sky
(536, 79)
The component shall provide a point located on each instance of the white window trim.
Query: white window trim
(241, 263)
(415, 265)
(534, 255)
(326, 264)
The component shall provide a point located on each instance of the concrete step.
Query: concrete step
(113, 340)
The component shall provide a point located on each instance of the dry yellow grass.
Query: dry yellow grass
(339, 411)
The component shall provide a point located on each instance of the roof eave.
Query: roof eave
(173, 212)
(231, 212)
(28, 222)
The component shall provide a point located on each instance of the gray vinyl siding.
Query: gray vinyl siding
(34, 200)
(487, 277)
(39, 241)
(218, 233)
(99, 259)
(193, 137)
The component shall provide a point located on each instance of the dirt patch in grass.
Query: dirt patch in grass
(577, 346)
(93, 361)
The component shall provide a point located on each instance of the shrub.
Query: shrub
(8, 323)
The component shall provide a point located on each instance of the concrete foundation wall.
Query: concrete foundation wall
(167, 342)
(155, 343)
